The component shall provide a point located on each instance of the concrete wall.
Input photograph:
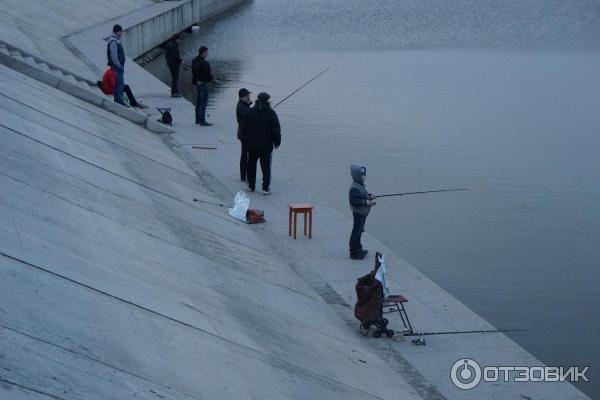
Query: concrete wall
(144, 32)
(37, 27)
(144, 28)
(47, 29)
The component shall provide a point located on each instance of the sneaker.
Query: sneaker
(250, 189)
(205, 124)
(175, 95)
(267, 192)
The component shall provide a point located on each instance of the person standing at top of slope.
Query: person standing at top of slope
(201, 77)
(116, 60)
(261, 133)
(173, 62)
(361, 202)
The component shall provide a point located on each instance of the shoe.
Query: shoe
(267, 192)
(250, 189)
(205, 124)
(175, 95)
(357, 256)
(364, 252)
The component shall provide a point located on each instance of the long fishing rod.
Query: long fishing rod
(250, 83)
(419, 340)
(189, 68)
(426, 191)
(300, 88)
(211, 203)
(465, 332)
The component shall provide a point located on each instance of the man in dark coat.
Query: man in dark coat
(261, 133)
(173, 62)
(243, 106)
(201, 77)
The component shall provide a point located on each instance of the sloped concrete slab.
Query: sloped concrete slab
(116, 278)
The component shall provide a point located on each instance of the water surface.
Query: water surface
(502, 97)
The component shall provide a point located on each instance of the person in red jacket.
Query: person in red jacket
(108, 87)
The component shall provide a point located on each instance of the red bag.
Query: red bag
(254, 216)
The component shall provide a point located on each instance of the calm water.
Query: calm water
(503, 97)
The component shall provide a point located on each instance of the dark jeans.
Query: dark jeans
(201, 102)
(129, 95)
(174, 69)
(119, 84)
(244, 162)
(357, 230)
(265, 167)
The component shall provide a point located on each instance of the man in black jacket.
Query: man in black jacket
(261, 133)
(201, 77)
(173, 62)
(243, 106)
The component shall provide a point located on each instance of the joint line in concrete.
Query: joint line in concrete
(31, 389)
(19, 332)
(264, 357)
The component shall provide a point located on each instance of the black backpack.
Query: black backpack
(166, 117)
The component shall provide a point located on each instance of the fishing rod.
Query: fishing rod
(211, 203)
(250, 83)
(189, 68)
(420, 341)
(426, 191)
(297, 90)
(465, 332)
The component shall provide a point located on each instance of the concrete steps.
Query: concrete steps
(73, 84)
(44, 67)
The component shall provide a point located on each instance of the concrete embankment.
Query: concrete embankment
(117, 285)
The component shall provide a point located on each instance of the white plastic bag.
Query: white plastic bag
(380, 276)
(241, 203)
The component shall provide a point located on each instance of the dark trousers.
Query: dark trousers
(174, 69)
(201, 101)
(119, 83)
(357, 229)
(244, 162)
(129, 95)
(265, 167)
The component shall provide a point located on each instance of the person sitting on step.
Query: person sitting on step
(108, 87)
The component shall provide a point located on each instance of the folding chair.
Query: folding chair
(393, 302)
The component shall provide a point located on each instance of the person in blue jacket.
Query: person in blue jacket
(361, 202)
(116, 60)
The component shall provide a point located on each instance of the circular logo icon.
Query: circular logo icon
(465, 374)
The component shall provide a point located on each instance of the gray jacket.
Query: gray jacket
(114, 52)
(358, 194)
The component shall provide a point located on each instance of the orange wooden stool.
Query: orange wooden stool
(301, 208)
